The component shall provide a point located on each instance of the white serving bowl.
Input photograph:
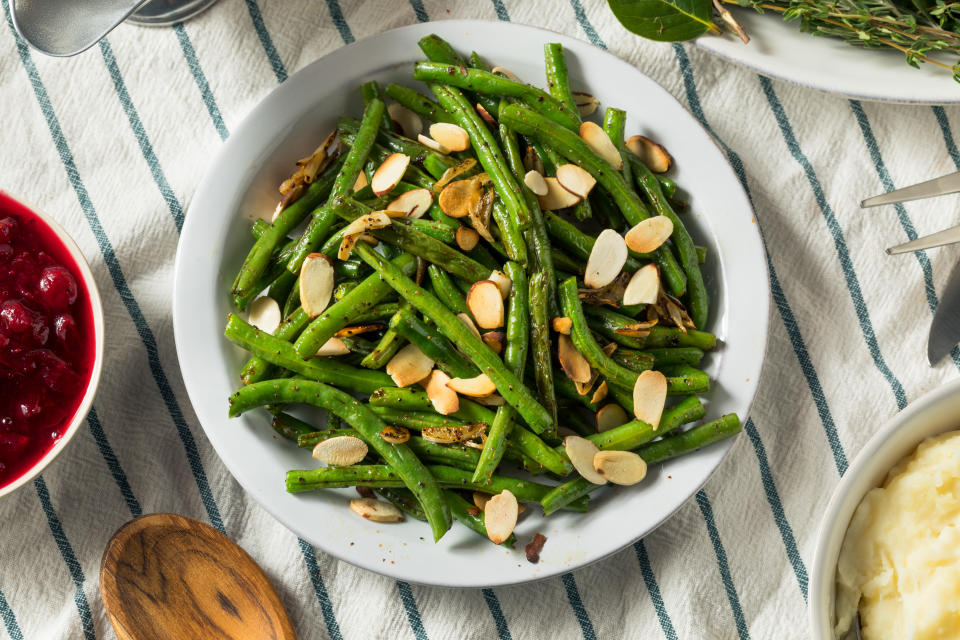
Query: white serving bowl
(932, 414)
(96, 308)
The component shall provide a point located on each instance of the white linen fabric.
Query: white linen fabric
(113, 143)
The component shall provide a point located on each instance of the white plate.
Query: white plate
(287, 126)
(780, 50)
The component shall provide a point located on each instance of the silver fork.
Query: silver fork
(943, 185)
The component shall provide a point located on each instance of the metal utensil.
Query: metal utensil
(68, 27)
(943, 185)
(945, 328)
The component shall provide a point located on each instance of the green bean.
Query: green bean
(540, 342)
(558, 82)
(614, 125)
(567, 389)
(674, 355)
(310, 439)
(413, 175)
(258, 228)
(433, 344)
(405, 501)
(701, 254)
(358, 345)
(416, 420)
(509, 386)
(636, 361)
(482, 255)
(445, 290)
(257, 368)
(469, 516)
(563, 263)
(348, 127)
(370, 91)
(290, 427)
(682, 379)
(390, 343)
(292, 302)
(632, 434)
(410, 470)
(347, 269)
(675, 337)
(579, 243)
(438, 49)
(418, 103)
(461, 457)
(344, 288)
(338, 315)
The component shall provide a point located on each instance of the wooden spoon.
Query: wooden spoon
(167, 576)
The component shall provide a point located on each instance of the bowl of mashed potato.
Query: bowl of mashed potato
(889, 543)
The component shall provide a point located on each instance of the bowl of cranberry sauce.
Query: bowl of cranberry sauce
(51, 341)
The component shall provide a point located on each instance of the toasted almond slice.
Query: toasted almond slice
(577, 181)
(455, 434)
(572, 361)
(609, 348)
(647, 235)
(581, 452)
(535, 182)
(346, 247)
(413, 203)
(506, 72)
(600, 394)
(353, 231)
(586, 103)
(649, 396)
(389, 174)
(316, 283)
(500, 516)
(376, 510)
(432, 144)
(481, 499)
(476, 387)
(610, 416)
(444, 399)
(620, 467)
(360, 182)
(410, 123)
(460, 197)
(467, 320)
(394, 434)
(341, 451)
(494, 340)
(644, 286)
(359, 329)
(451, 174)
(333, 347)
(486, 304)
(503, 281)
(563, 432)
(489, 119)
(557, 197)
(492, 400)
(598, 140)
(583, 388)
(467, 238)
(606, 260)
(532, 161)
(453, 137)
(265, 314)
(650, 153)
(409, 366)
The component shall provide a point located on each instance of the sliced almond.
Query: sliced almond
(479, 215)
(500, 516)
(467, 238)
(360, 182)
(598, 140)
(353, 231)
(647, 235)
(600, 394)
(489, 119)
(557, 197)
(650, 153)
(359, 329)
(394, 434)
(606, 260)
(644, 286)
(486, 304)
(562, 324)
(535, 182)
(609, 348)
(341, 451)
(610, 416)
(265, 314)
(376, 510)
(581, 452)
(494, 340)
(586, 103)
(507, 73)
(413, 203)
(583, 388)
(503, 281)
(389, 174)
(453, 137)
(649, 396)
(577, 181)
(454, 434)
(492, 400)
(620, 467)
(468, 321)
(444, 399)
(532, 161)
(409, 366)
(460, 197)
(451, 174)
(476, 387)
(572, 361)
(410, 123)
(333, 347)
(316, 283)
(432, 144)
(481, 499)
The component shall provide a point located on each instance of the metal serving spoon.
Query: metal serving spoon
(68, 27)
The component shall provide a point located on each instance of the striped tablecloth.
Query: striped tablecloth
(113, 143)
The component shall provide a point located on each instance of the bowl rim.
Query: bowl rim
(842, 505)
(96, 308)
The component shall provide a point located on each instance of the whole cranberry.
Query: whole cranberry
(65, 328)
(15, 317)
(8, 229)
(55, 372)
(29, 404)
(58, 289)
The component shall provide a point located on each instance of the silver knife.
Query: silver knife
(945, 328)
(949, 183)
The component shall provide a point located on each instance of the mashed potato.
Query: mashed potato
(900, 560)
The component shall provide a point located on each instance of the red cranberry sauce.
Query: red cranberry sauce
(46, 339)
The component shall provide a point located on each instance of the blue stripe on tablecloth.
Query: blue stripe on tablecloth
(136, 125)
(646, 569)
(941, 115)
(573, 595)
(266, 41)
(503, 631)
(333, 627)
(704, 502)
(116, 274)
(9, 619)
(413, 612)
(190, 54)
(113, 464)
(501, 10)
(336, 14)
(419, 10)
(66, 551)
(773, 498)
(922, 258)
(843, 253)
(587, 27)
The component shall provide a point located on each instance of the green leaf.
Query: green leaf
(664, 20)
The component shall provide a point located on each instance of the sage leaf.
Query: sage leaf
(665, 20)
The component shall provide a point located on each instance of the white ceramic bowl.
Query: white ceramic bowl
(936, 412)
(96, 309)
(243, 180)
